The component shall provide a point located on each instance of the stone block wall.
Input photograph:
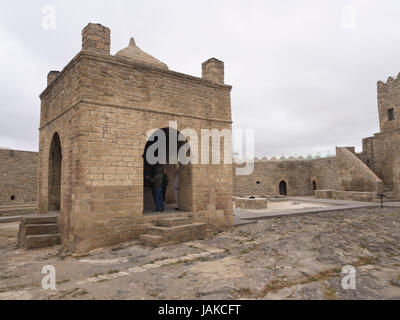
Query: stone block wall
(388, 98)
(324, 172)
(347, 195)
(103, 108)
(18, 177)
(265, 179)
(354, 175)
(383, 154)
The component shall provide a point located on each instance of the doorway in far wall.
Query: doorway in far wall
(283, 188)
(314, 187)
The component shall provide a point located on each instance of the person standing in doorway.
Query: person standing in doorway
(176, 188)
(164, 184)
(157, 181)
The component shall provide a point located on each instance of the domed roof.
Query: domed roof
(134, 53)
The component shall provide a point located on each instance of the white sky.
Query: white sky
(303, 72)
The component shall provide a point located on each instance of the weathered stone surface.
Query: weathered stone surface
(170, 222)
(39, 231)
(281, 258)
(175, 232)
(41, 241)
(256, 203)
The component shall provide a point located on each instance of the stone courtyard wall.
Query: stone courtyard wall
(347, 195)
(355, 175)
(382, 153)
(18, 177)
(265, 179)
(324, 172)
(298, 175)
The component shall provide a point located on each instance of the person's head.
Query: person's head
(159, 169)
(164, 171)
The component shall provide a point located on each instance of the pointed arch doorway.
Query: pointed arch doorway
(54, 181)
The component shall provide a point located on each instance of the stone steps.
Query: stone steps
(42, 241)
(170, 222)
(151, 240)
(39, 231)
(16, 210)
(174, 230)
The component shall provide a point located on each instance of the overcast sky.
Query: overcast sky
(303, 72)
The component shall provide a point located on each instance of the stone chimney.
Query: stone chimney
(213, 70)
(97, 38)
(51, 76)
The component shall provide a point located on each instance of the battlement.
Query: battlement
(388, 104)
(390, 80)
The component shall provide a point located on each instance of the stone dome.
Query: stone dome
(134, 53)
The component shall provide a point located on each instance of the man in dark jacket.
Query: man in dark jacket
(164, 183)
(157, 181)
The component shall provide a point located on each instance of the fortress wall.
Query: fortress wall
(18, 177)
(386, 157)
(265, 179)
(324, 173)
(389, 98)
(354, 175)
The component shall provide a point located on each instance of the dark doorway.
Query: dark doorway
(314, 186)
(283, 188)
(55, 163)
(172, 167)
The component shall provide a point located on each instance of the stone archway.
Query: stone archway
(54, 181)
(314, 186)
(173, 167)
(283, 188)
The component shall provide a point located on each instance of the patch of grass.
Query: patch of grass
(330, 293)
(363, 261)
(12, 288)
(182, 275)
(8, 277)
(112, 271)
(203, 259)
(278, 284)
(82, 292)
(249, 249)
(75, 292)
(244, 292)
(244, 251)
(63, 281)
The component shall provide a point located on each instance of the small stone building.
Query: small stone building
(95, 118)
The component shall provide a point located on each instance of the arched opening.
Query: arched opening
(55, 163)
(283, 188)
(157, 156)
(314, 186)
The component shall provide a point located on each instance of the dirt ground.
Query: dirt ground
(280, 258)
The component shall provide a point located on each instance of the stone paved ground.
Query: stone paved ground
(280, 258)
